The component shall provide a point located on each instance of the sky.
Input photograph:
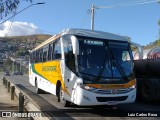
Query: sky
(139, 22)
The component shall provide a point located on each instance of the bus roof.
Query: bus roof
(83, 32)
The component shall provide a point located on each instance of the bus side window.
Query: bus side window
(45, 51)
(37, 56)
(40, 55)
(57, 50)
(69, 56)
(45, 56)
(34, 57)
(50, 52)
(53, 46)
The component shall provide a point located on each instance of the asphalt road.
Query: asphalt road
(102, 112)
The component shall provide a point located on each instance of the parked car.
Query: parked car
(20, 73)
(14, 73)
(6, 73)
(17, 73)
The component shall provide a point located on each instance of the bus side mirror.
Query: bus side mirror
(75, 45)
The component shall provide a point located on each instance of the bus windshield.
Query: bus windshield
(104, 59)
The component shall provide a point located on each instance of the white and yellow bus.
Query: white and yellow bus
(84, 67)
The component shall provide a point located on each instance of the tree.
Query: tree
(159, 28)
(7, 64)
(22, 52)
(158, 43)
(159, 22)
(8, 7)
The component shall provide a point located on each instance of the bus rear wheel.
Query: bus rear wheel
(64, 102)
(38, 91)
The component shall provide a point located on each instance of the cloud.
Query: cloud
(18, 29)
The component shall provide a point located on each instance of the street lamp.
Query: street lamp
(22, 11)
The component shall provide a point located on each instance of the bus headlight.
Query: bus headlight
(132, 87)
(85, 87)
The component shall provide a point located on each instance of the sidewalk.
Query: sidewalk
(6, 104)
(5, 99)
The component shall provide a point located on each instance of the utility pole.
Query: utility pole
(20, 69)
(12, 66)
(92, 11)
(92, 16)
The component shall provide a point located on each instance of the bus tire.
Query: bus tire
(38, 91)
(64, 102)
(139, 89)
(60, 95)
(58, 85)
(147, 90)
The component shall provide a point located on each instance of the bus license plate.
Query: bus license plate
(112, 103)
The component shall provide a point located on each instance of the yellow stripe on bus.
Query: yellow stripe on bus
(50, 71)
(113, 86)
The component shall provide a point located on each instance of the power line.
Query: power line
(22, 11)
(133, 2)
(139, 2)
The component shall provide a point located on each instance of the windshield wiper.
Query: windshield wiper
(101, 70)
(119, 67)
(103, 67)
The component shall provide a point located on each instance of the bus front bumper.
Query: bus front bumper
(88, 98)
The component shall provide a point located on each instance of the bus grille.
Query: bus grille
(119, 91)
(106, 99)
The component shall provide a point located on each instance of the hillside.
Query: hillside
(39, 37)
(28, 42)
(24, 43)
(20, 45)
(153, 44)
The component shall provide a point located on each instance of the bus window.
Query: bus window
(45, 56)
(50, 52)
(57, 50)
(53, 46)
(45, 50)
(69, 56)
(125, 56)
(34, 57)
(40, 55)
(37, 56)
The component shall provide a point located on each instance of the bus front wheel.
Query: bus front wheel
(61, 99)
(38, 91)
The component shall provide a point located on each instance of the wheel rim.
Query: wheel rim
(61, 95)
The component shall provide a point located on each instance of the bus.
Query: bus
(85, 68)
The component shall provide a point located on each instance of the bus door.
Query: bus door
(68, 65)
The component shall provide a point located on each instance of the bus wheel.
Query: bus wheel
(38, 91)
(148, 90)
(64, 102)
